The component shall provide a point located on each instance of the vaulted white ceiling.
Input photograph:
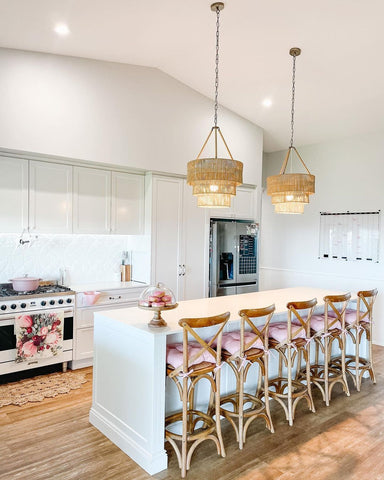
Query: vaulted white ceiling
(340, 74)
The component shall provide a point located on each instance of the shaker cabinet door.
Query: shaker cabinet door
(244, 203)
(167, 255)
(91, 200)
(13, 195)
(127, 203)
(50, 198)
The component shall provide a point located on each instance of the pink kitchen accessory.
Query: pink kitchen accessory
(90, 298)
(25, 284)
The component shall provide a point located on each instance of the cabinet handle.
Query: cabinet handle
(179, 271)
(184, 270)
(115, 298)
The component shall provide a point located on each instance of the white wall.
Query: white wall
(112, 113)
(349, 176)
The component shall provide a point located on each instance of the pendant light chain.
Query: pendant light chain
(217, 63)
(293, 99)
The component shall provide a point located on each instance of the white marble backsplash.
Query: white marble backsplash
(85, 258)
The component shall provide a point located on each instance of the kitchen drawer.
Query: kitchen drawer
(84, 316)
(110, 298)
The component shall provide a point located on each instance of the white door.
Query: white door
(91, 200)
(127, 203)
(167, 207)
(13, 195)
(196, 240)
(50, 198)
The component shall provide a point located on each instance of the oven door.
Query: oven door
(8, 341)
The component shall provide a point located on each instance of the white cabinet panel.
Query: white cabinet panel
(50, 198)
(167, 204)
(127, 203)
(244, 203)
(13, 195)
(83, 344)
(196, 235)
(91, 200)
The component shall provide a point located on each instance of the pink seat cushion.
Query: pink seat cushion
(279, 331)
(175, 354)
(350, 316)
(317, 323)
(231, 341)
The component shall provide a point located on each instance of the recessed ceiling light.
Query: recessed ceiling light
(267, 102)
(62, 29)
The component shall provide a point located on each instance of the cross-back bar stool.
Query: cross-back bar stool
(326, 329)
(187, 364)
(240, 350)
(356, 323)
(291, 340)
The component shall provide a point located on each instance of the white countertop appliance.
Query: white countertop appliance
(49, 296)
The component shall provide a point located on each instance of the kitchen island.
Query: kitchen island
(130, 393)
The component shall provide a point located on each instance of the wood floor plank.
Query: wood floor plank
(53, 440)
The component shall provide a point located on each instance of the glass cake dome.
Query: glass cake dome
(157, 296)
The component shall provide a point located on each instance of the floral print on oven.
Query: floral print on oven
(39, 335)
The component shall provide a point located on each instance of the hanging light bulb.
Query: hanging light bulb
(214, 180)
(290, 191)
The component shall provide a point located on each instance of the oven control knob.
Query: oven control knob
(61, 301)
(23, 305)
(69, 300)
(43, 303)
(13, 306)
(3, 307)
(52, 302)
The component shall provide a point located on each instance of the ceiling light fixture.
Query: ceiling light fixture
(62, 29)
(214, 180)
(267, 102)
(290, 191)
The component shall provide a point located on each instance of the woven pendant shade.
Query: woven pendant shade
(214, 180)
(290, 191)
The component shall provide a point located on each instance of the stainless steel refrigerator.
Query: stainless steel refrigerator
(233, 265)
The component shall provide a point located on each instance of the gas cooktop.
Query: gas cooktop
(51, 289)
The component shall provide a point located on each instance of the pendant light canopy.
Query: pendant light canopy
(290, 191)
(214, 179)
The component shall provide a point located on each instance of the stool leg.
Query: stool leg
(371, 370)
(266, 391)
(357, 360)
(289, 358)
(217, 412)
(241, 407)
(326, 379)
(308, 377)
(343, 370)
(185, 428)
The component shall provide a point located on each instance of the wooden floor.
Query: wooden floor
(53, 440)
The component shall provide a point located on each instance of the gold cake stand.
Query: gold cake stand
(158, 320)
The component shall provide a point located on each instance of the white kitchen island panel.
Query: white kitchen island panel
(129, 390)
(130, 393)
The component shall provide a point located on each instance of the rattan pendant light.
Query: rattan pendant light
(214, 180)
(290, 191)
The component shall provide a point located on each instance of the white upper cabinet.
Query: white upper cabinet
(242, 206)
(91, 200)
(13, 195)
(127, 203)
(50, 197)
(244, 203)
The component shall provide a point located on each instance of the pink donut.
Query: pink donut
(158, 304)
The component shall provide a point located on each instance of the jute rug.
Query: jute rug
(37, 388)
